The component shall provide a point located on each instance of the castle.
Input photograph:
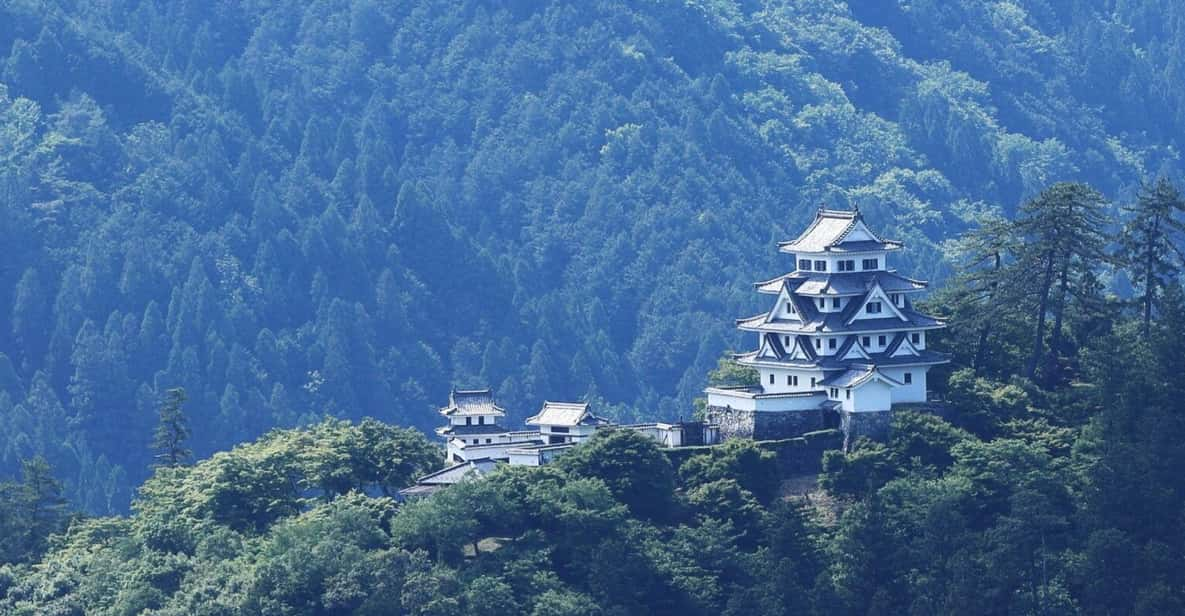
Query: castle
(840, 346)
(841, 343)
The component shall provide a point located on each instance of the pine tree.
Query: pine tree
(1148, 243)
(981, 296)
(45, 508)
(172, 431)
(1063, 232)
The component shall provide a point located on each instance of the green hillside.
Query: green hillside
(294, 209)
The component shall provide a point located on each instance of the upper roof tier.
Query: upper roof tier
(838, 231)
(462, 402)
(565, 414)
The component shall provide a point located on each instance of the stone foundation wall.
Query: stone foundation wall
(871, 424)
(801, 455)
(765, 425)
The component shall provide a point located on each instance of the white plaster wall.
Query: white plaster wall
(913, 392)
(524, 458)
(779, 385)
(872, 396)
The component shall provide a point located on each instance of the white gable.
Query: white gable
(856, 352)
(860, 233)
(877, 294)
(795, 351)
(767, 349)
(906, 349)
(783, 309)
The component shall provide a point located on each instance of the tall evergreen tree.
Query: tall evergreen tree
(44, 505)
(1062, 230)
(982, 297)
(172, 431)
(1148, 243)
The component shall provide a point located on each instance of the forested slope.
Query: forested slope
(293, 209)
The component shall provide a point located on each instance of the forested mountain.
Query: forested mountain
(344, 207)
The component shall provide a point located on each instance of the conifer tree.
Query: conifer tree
(1062, 229)
(45, 508)
(172, 431)
(1147, 241)
(982, 293)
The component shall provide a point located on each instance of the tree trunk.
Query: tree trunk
(1059, 312)
(1043, 305)
(986, 330)
(1150, 275)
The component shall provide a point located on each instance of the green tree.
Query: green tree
(1063, 232)
(172, 430)
(1152, 256)
(631, 465)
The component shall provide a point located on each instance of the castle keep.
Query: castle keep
(840, 344)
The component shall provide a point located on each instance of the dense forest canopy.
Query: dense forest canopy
(344, 207)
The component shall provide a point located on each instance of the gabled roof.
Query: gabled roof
(829, 230)
(471, 429)
(855, 377)
(471, 402)
(836, 322)
(841, 283)
(876, 293)
(565, 414)
(454, 474)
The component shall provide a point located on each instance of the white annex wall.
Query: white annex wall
(913, 392)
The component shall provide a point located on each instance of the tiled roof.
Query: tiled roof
(828, 231)
(836, 322)
(865, 246)
(565, 414)
(841, 283)
(467, 430)
(454, 474)
(854, 377)
(471, 402)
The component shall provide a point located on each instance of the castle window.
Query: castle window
(489, 440)
(786, 340)
(820, 266)
(880, 340)
(788, 380)
(481, 419)
(813, 383)
(866, 341)
(870, 264)
(896, 297)
(468, 421)
(847, 394)
(831, 343)
(804, 264)
(476, 441)
(908, 378)
(771, 378)
(872, 307)
(818, 343)
(822, 303)
(795, 380)
(790, 307)
(847, 265)
(835, 302)
(915, 338)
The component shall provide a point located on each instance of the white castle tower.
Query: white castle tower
(841, 344)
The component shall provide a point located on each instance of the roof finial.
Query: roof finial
(856, 209)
